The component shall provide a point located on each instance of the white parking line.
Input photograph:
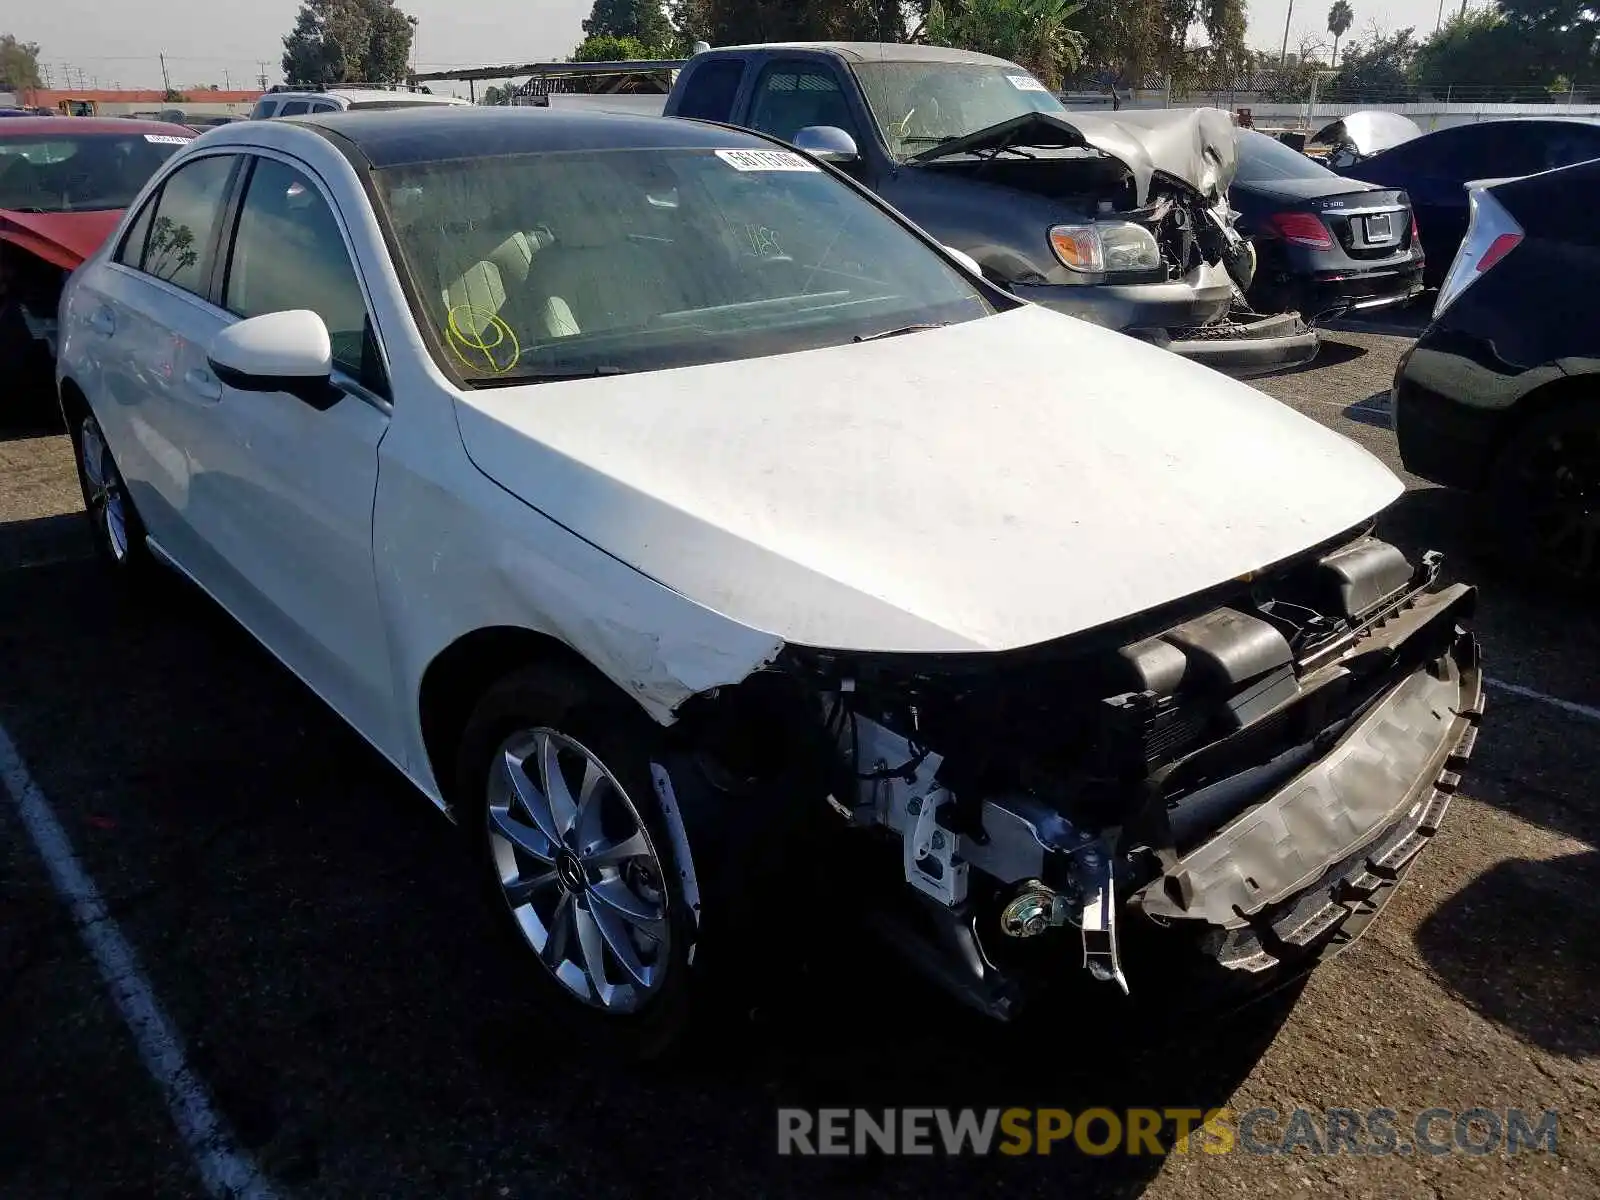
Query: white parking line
(1567, 706)
(224, 1171)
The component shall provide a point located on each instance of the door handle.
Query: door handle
(103, 321)
(203, 384)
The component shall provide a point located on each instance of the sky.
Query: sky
(118, 42)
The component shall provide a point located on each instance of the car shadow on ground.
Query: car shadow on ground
(40, 540)
(1538, 979)
(1376, 410)
(313, 929)
(1331, 352)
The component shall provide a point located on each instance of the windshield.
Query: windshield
(1263, 159)
(920, 104)
(67, 173)
(597, 262)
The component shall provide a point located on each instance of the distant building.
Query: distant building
(124, 102)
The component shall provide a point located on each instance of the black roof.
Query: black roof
(401, 137)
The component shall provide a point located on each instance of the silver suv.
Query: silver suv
(290, 102)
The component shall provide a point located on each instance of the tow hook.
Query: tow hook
(1099, 919)
(1090, 904)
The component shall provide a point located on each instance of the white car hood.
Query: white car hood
(990, 485)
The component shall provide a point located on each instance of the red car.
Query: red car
(64, 182)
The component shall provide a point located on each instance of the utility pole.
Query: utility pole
(1283, 55)
(227, 81)
(166, 80)
(262, 78)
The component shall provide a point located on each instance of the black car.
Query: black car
(1501, 394)
(1325, 245)
(1435, 168)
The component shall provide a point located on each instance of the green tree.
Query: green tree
(735, 22)
(1376, 70)
(1035, 33)
(1137, 40)
(1480, 55)
(1340, 17)
(645, 21)
(19, 64)
(345, 41)
(493, 96)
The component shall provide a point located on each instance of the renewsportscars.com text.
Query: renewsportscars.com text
(1021, 1131)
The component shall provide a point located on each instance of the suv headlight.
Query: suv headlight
(1098, 247)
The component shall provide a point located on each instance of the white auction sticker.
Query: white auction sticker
(167, 139)
(1026, 83)
(765, 160)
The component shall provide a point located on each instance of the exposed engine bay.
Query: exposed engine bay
(1252, 769)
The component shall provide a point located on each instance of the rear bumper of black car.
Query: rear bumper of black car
(1330, 294)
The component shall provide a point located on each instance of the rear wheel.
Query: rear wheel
(1544, 497)
(587, 867)
(119, 535)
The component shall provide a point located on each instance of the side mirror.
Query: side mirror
(965, 259)
(278, 352)
(829, 143)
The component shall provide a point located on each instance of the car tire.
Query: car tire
(570, 907)
(1543, 498)
(118, 532)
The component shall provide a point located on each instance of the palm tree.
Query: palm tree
(1034, 33)
(1340, 17)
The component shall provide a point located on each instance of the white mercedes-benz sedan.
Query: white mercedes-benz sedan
(709, 544)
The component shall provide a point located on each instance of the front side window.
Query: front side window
(67, 173)
(918, 105)
(539, 265)
(184, 217)
(288, 253)
(790, 97)
(293, 108)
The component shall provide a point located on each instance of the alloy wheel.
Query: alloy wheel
(103, 490)
(578, 870)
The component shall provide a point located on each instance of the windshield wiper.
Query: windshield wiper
(522, 377)
(916, 328)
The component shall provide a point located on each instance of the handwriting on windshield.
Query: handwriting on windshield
(482, 340)
(763, 241)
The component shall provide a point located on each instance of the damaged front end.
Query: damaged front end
(1241, 780)
(1144, 239)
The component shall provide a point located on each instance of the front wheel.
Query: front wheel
(585, 860)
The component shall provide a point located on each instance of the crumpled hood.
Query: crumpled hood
(1195, 146)
(65, 239)
(994, 484)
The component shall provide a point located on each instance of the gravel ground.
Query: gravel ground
(305, 921)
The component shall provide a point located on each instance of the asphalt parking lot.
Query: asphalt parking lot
(309, 930)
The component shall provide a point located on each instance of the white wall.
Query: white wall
(645, 106)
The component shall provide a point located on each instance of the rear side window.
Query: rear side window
(710, 91)
(293, 108)
(172, 237)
